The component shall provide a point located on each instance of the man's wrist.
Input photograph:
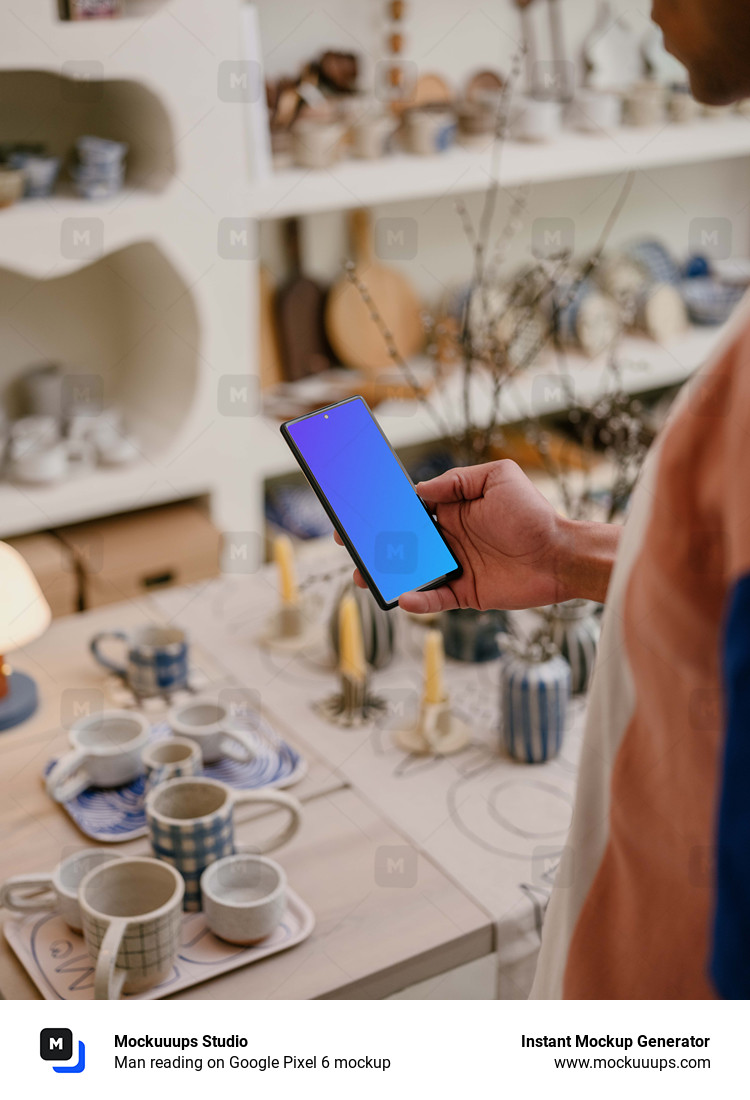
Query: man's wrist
(584, 559)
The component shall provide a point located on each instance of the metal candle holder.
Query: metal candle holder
(353, 705)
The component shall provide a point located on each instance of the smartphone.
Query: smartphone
(390, 533)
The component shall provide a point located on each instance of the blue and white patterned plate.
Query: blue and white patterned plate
(115, 815)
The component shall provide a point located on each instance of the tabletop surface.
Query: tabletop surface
(375, 933)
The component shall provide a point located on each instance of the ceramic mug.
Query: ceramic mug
(191, 825)
(55, 890)
(132, 924)
(244, 898)
(171, 759)
(106, 752)
(211, 725)
(156, 658)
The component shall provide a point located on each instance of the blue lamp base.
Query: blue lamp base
(20, 702)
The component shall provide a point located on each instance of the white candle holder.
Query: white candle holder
(353, 706)
(438, 732)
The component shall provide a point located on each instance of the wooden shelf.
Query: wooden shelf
(296, 192)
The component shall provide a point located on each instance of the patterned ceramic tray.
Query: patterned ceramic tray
(56, 959)
(112, 816)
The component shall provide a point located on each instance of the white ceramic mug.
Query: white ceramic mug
(171, 759)
(56, 889)
(106, 752)
(211, 725)
(132, 924)
(244, 898)
(191, 825)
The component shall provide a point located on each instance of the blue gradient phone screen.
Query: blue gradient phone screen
(373, 498)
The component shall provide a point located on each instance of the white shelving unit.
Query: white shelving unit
(298, 192)
(150, 304)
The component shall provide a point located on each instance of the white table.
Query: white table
(496, 827)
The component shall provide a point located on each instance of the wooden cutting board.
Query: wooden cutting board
(300, 315)
(352, 332)
(270, 371)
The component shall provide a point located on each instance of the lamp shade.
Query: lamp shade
(24, 612)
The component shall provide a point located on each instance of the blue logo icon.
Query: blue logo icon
(56, 1045)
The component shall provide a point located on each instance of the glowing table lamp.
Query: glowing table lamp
(24, 616)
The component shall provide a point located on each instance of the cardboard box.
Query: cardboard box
(54, 567)
(131, 555)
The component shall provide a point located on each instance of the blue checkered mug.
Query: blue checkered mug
(156, 658)
(191, 825)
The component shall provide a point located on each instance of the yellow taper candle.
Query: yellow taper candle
(434, 659)
(351, 642)
(283, 555)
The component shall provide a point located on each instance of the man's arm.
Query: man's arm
(515, 549)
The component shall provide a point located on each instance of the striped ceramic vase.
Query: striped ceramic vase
(534, 696)
(575, 629)
(378, 627)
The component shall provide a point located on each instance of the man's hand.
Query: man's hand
(515, 549)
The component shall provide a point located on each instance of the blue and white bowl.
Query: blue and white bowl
(710, 302)
(656, 260)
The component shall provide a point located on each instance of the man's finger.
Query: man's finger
(359, 579)
(463, 483)
(337, 538)
(427, 603)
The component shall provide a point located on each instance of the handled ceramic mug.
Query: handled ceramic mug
(211, 725)
(155, 658)
(55, 890)
(171, 759)
(132, 924)
(106, 752)
(191, 825)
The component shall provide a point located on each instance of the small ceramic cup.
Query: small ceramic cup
(170, 760)
(539, 120)
(316, 143)
(55, 890)
(155, 658)
(106, 752)
(210, 725)
(132, 924)
(594, 111)
(191, 825)
(244, 898)
(429, 131)
(371, 134)
(36, 465)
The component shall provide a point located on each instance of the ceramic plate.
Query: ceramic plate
(113, 816)
(56, 959)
